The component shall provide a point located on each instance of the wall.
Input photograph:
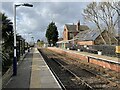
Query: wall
(104, 64)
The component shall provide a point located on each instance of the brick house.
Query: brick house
(70, 31)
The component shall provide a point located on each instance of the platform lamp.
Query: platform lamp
(15, 58)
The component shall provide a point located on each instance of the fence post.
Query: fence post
(88, 59)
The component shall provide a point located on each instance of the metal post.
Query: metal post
(19, 48)
(15, 58)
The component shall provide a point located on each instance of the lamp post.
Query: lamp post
(29, 37)
(15, 58)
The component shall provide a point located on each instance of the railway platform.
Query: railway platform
(33, 72)
(112, 63)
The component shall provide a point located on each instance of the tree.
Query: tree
(109, 16)
(116, 6)
(7, 41)
(52, 34)
(7, 32)
(103, 16)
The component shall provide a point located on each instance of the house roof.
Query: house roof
(72, 28)
(88, 35)
(83, 27)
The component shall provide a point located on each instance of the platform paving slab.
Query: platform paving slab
(22, 79)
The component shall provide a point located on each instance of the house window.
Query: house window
(71, 35)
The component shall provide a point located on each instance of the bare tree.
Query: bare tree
(116, 6)
(105, 16)
(109, 17)
(91, 14)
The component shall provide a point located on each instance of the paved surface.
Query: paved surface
(33, 72)
(22, 79)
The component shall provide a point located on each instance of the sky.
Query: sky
(33, 21)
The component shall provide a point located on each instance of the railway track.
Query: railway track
(71, 76)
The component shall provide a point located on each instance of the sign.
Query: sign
(117, 49)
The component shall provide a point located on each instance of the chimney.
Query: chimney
(78, 26)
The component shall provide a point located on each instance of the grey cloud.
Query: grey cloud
(8, 7)
(37, 18)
